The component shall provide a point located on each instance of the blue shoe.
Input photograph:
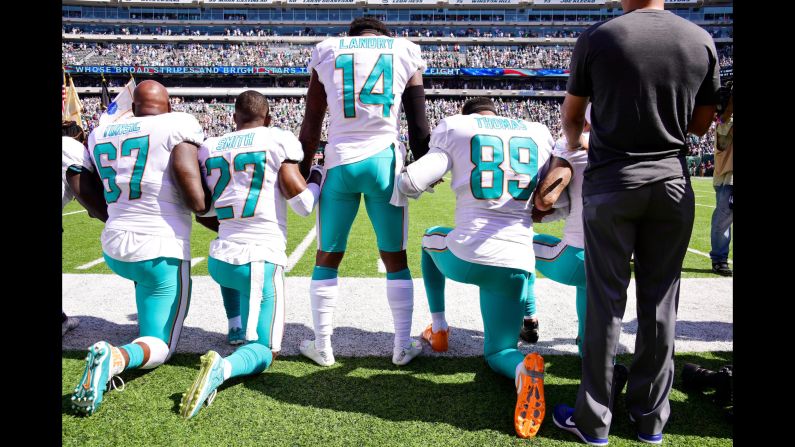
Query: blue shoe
(236, 336)
(89, 392)
(562, 416)
(204, 388)
(649, 439)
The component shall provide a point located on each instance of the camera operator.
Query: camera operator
(723, 182)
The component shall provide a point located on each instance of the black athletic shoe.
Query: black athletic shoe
(620, 377)
(721, 268)
(529, 332)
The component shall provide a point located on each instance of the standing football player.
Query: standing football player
(253, 173)
(363, 79)
(495, 163)
(78, 181)
(149, 166)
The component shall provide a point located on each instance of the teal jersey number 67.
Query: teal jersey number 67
(138, 144)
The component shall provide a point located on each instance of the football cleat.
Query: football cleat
(96, 377)
(236, 336)
(322, 358)
(529, 331)
(530, 403)
(402, 356)
(205, 387)
(438, 339)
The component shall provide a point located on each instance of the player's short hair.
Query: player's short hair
(251, 105)
(71, 129)
(360, 25)
(479, 104)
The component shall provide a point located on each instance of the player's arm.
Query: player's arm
(573, 119)
(188, 176)
(424, 173)
(414, 105)
(312, 125)
(301, 196)
(707, 97)
(552, 185)
(89, 192)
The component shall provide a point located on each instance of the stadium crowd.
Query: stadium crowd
(287, 55)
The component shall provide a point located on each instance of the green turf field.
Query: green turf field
(81, 237)
(364, 401)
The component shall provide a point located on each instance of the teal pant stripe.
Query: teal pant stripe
(402, 274)
(162, 295)
(373, 177)
(252, 358)
(136, 354)
(249, 359)
(320, 273)
(502, 295)
(530, 296)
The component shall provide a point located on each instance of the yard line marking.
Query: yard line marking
(381, 266)
(73, 212)
(299, 251)
(90, 264)
(195, 261)
(705, 206)
(691, 250)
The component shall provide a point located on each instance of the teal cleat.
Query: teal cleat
(204, 388)
(96, 377)
(236, 336)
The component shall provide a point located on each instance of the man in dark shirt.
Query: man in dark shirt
(652, 78)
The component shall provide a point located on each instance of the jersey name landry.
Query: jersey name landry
(500, 123)
(235, 141)
(367, 42)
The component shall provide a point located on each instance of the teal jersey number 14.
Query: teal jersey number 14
(490, 160)
(382, 68)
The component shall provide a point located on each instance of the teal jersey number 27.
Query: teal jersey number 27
(138, 144)
(240, 163)
(382, 68)
(522, 157)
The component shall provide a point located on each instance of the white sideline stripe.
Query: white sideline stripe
(90, 264)
(692, 250)
(195, 261)
(381, 266)
(705, 206)
(73, 212)
(299, 251)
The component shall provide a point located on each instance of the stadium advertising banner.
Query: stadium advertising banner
(485, 2)
(322, 2)
(238, 2)
(569, 2)
(157, 1)
(266, 70)
(402, 2)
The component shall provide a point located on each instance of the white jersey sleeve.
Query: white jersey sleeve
(573, 233)
(147, 217)
(74, 157)
(364, 78)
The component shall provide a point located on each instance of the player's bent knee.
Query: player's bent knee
(329, 259)
(156, 351)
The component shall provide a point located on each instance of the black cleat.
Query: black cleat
(529, 331)
(722, 268)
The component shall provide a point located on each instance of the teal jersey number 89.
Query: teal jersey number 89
(241, 161)
(140, 144)
(517, 146)
(382, 67)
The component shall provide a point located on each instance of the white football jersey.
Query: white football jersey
(241, 169)
(364, 78)
(573, 233)
(495, 163)
(132, 157)
(74, 154)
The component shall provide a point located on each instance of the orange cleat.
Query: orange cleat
(437, 340)
(530, 406)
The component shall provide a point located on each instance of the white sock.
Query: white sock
(519, 367)
(400, 294)
(439, 322)
(235, 322)
(531, 317)
(227, 369)
(158, 351)
(323, 294)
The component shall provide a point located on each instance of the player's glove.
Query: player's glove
(316, 174)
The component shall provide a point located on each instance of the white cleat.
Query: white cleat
(402, 356)
(322, 358)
